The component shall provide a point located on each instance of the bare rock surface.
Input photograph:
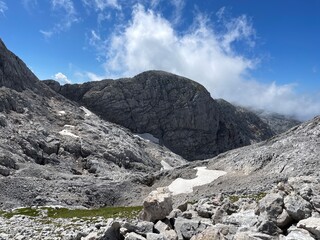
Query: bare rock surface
(244, 218)
(53, 151)
(176, 110)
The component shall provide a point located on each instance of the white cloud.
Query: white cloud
(3, 7)
(101, 5)
(178, 5)
(83, 76)
(68, 17)
(149, 41)
(46, 34)
(61, 78)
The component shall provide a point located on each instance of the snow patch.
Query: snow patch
(147, 136)
(204, 176)
(165, 165)
(66, 132)
(87, 113)
(60, 113)
(69, 126)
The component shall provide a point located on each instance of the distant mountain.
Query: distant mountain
(176, 110)
(278, 123)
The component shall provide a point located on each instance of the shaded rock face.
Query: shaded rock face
(178, 111)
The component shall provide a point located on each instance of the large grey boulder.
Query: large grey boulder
(157, 205)
(176, 110)
(271, 206)
(297, 207)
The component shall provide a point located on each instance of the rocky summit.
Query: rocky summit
(66, 151)
(176, 110)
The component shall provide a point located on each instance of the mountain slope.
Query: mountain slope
(177, 110)
(55, 152)
(258, 167)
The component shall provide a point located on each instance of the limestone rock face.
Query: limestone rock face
(178, 111)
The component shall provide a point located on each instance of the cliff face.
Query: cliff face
(178, 111)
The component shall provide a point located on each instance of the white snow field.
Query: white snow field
(204, 176)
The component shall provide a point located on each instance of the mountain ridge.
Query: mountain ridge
(178, 111)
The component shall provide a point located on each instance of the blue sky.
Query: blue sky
(264, 54)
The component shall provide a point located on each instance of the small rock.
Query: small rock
(133, 236)
(155, 236)
(284, 219)
(298, 234)
(269, 227)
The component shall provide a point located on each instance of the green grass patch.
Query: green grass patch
(257, 197)
(30, 212)
(106, 212)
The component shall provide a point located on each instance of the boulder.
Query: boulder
(157, 205)
(113, 232)
(170, 235)
(209, 234)
(246, 218)
(312, 225)
(297, 207)
(161, 227)
(140, 227)
(155, 236)
(133, 236)
(186, 228)
(295, 233)
(284, 219)
(271, 206)
(269, 227)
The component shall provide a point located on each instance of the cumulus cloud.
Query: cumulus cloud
(202, 53)
(61, 78)
(68, 16)
(3, 7)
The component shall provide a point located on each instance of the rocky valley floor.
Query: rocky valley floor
(77, 149)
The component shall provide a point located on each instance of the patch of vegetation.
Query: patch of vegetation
(257, 197)
(106, 212)
(30, 212)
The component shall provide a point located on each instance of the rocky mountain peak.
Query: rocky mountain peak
(176, 110)
(15, 74)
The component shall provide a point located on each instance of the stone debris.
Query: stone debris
(271, 217)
